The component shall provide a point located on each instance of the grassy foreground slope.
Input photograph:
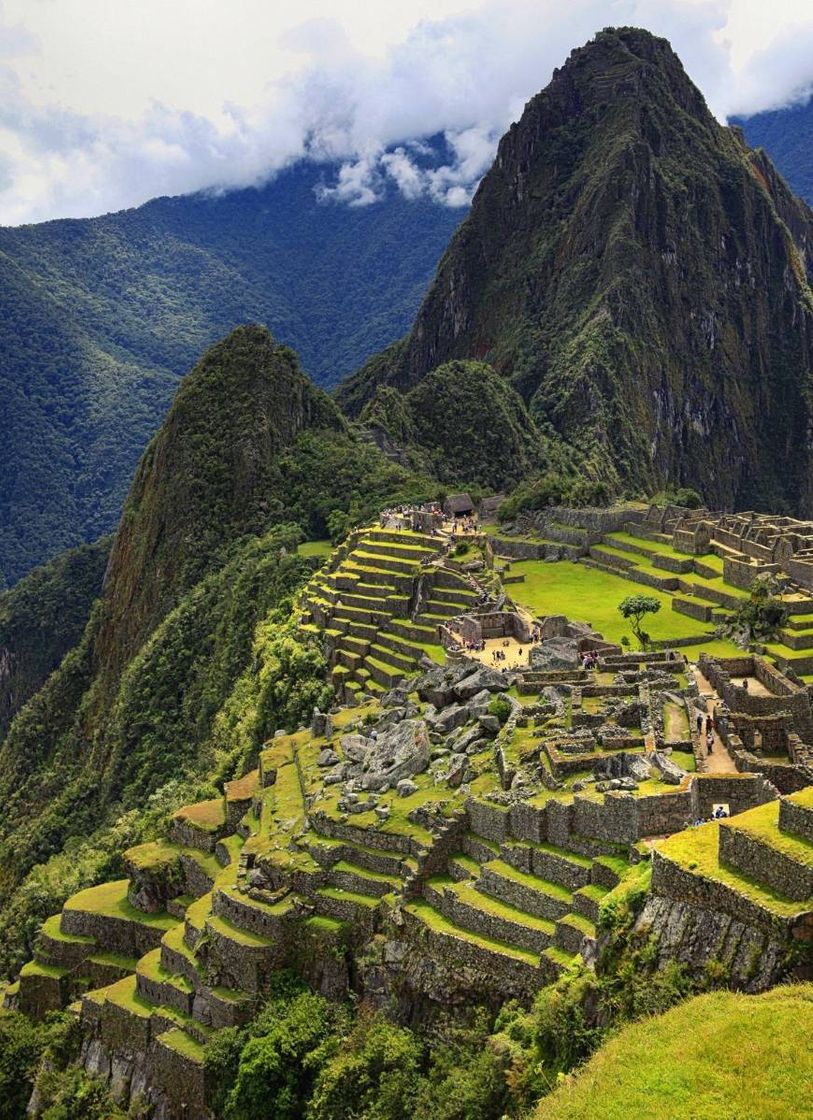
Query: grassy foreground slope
(721, 1056)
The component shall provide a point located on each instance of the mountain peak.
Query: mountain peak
(641, 279)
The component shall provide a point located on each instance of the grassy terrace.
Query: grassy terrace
(320, 549)
(110, 900)
(437, 922)
(762, 825)
(590, 595)
(697, 850)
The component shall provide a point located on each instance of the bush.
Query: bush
(500, 707)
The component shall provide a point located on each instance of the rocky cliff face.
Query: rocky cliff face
(643, 280)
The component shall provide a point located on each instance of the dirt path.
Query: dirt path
(719, 761)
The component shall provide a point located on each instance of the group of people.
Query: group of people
(498, 655)
(707, 725)
(467, 524)
(590, 659)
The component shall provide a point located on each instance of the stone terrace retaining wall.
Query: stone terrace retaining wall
(762, 862)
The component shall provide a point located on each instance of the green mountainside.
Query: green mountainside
(641, 278)
(43, 617)
(197, 592)
(102, 316)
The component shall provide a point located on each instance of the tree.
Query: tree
(634, 608)
(760, 616)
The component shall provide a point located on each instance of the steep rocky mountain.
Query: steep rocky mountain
(195, 604)
(641, 278)
(102, 317)
(787, 136)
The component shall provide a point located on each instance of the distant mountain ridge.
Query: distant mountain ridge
(101, 318)
(787, 136)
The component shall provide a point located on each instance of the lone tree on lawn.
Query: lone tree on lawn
(634, 607)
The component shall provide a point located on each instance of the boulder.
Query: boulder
(480, 679)
(438, 685)
(327, 757)
(556, 653)
(405, 787)
(489, 725)
(456, 770)
(449, 719)
(355, 747)
(395, 698)
(321, 725)
(398, 753)
(670, 771)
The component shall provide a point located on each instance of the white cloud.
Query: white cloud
(106, 105)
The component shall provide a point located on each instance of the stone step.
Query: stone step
(463, 867)
(489, 953)
(558, 960)
(399, 646)
(607, 871)
(587, 901)
(411, 631)
(571, 932)
(356, 909)
(328, 850)
(460, 599)
(386, 563)
(796, 814)
(368, 573)
(404, 663)
(566, 869)
(414, 553)
(53, 947)
(360, 880)
(529, 893)
(348, 658)
(469, 909)
(439, 609)
(383, 673)
(403, 536)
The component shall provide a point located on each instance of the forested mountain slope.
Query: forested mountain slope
(642, 279)
(195, 607)
(102, 316)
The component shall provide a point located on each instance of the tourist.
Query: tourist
(699, 723)
(745, 684)
(710, 742)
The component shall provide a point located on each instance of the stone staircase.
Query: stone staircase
(380, 605)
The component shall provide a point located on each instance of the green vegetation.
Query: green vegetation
(103, 317)
(473, 425)
(43, 617)
(634, 608)
(720, 1056)
(760, 617)
(591, 595)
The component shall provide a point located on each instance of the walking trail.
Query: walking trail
(719, 761)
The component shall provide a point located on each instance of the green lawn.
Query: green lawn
(590, 595)
(721, 1056)
(321, 549)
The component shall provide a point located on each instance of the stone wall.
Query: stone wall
(767, 864)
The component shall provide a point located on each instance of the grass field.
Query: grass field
(321, 549)
(590, 595)
(721, 1056)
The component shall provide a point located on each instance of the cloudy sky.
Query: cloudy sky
(106, 103)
